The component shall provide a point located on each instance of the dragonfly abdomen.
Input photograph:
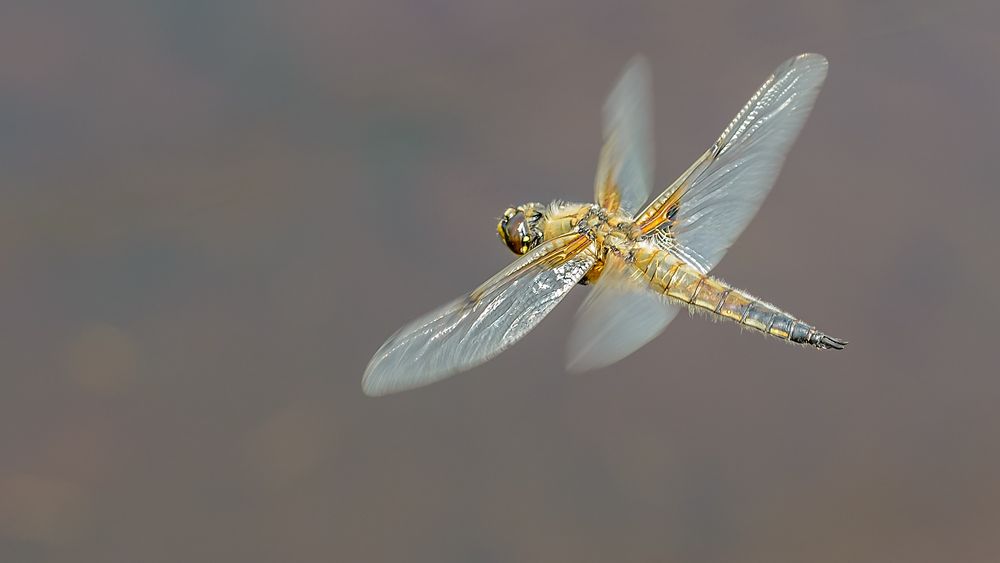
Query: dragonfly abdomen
(682, 282)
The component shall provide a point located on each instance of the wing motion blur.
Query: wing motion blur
(625, 168)
(477, 327)
(619, 316)
(707, 208)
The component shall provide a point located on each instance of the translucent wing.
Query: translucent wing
(619, 316)
(625, 167)
(477, 327)
(710, 204)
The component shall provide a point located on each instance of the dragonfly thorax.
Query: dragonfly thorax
(611, 231)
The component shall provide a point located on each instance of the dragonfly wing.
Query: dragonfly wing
(710, 205)
(619, 316)
(477, 327)
(625, 168)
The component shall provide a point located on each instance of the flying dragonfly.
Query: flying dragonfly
(644, 263)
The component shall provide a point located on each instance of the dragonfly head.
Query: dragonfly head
(520, 228)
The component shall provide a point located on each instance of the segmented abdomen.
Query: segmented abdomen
(674, 278)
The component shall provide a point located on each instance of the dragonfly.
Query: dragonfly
(645, 261)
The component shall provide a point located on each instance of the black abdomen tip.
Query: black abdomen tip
(824, 342)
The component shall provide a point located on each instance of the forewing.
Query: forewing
(619, 316)
(709, 206)
(625, 168)
(477, 327)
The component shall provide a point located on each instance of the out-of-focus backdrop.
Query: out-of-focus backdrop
(213, 213)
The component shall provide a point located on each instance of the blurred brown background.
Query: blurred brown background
(214, 212)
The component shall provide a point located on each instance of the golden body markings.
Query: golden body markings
(612, 232)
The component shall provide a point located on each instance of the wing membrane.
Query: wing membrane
(477, 327)
(619, 316)
(625, 168)
(710, 204)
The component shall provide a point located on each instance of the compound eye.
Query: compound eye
(516, 232)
